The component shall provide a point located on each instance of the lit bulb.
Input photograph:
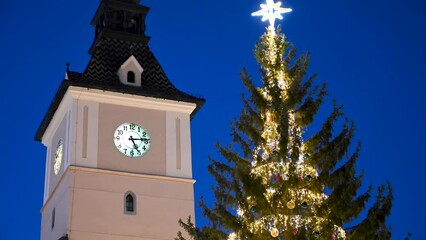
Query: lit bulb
(274, 232)
(291, 204)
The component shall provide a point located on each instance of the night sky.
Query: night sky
(371, 54)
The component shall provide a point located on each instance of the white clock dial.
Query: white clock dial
(58, 157)
(132, 140)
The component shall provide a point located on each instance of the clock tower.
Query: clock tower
(118, 161)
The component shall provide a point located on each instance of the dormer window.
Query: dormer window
(130, 77)
(130, 73)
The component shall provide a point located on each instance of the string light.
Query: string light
(296, 198)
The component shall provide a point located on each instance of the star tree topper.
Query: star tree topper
(271, 11)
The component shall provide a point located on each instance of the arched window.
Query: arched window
(129, 203)
(131, 77)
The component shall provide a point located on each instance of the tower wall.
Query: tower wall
(97, 210)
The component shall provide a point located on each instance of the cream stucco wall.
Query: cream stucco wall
(60, 134)
(98, 205)
(59, 201)
(178, 145)
(152, 162)
(85, 138)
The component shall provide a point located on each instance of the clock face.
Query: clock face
(132, 140)
(58, 157)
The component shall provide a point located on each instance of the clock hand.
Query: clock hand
(142, 139)
(133, 140)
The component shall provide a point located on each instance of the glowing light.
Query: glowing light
(271, 11)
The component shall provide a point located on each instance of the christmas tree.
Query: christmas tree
(274, 183)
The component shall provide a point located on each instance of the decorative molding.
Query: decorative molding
(130, 174)
(130, 100)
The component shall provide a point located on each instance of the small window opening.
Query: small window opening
(129, 203)
(53, 219)
(131, 77)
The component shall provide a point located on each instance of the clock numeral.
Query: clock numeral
(132, 153)
(144, 134)
(118, 138)
(132, 126)
(119, 146)
(144, 148)
(139, 129)
(120, 132)
(125, 128)
(146, 141)
(125, 150)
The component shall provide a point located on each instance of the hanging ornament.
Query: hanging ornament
(278, 177)
(291, 204)
(273, 179)
(253, 163)
(274, 232)
(304, 205)
(300, 177)
(295, 232)
(265, 156)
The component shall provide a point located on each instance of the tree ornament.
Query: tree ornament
(274, 232)
(274, 179)
(253, 163)
(284, 176)
(304, 205)
(291, 204)
(295, 232)
(265, 156)
(278, 177)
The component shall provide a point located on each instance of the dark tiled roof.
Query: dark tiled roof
(65, 237)
(108, 55)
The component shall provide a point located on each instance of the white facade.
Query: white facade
(87, 194)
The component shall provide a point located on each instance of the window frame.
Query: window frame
(129, 193)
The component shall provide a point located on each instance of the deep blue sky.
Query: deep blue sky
(370, 53)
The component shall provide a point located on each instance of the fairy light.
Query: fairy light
(272, 170)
